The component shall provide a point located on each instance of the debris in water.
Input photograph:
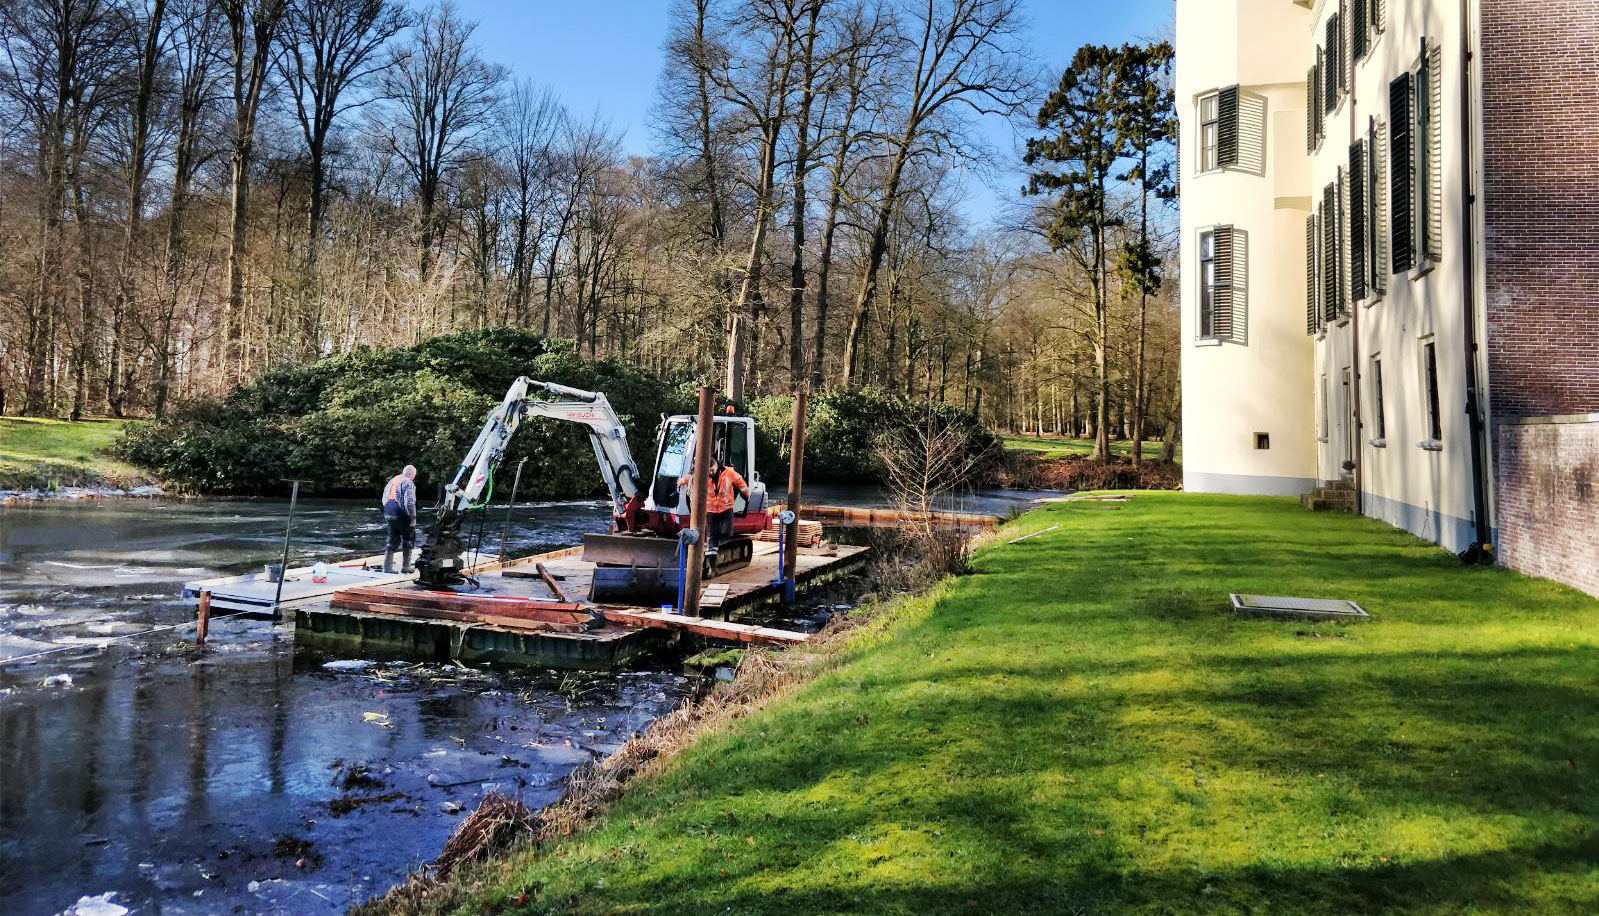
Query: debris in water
(349, 664)
(57, 680)
(377, 718)
(96, 906)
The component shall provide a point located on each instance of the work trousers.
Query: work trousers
(401, 532)
(721, 527)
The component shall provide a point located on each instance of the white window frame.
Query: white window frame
(1209, 133)
(1206, 287)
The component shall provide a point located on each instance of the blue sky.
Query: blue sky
(606, 55)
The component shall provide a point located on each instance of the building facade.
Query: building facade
(1390, 262)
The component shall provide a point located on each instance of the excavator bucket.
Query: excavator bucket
(641, 569)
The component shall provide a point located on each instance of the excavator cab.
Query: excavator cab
(733, 438)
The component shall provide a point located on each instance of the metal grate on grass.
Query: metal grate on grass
(1285, 608)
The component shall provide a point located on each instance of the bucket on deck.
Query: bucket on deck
(274, 572)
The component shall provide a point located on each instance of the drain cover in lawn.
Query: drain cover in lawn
(1297, 608)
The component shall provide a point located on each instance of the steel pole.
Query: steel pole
(288, 531)
(693, 575)
(796, 479)
(505, 535)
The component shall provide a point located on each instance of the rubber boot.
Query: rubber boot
(407, 558)
(388, 562)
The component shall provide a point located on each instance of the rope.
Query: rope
(112, 639)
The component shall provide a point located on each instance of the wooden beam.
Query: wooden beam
(714, 629)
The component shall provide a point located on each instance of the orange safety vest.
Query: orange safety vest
(719, 490)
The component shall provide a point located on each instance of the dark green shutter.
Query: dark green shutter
(1402, 243)
(1222, 295)
(1357, 221)
(1312, 316)
(1316, 107)
(1329, 254)
(1357, 29)
(1227, 126)
(1335, 62)
(1310, 107)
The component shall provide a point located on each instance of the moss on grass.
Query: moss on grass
(45, 454)
(1082, 727)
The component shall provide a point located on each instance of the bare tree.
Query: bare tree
(955, 57)
(443, 93)
(530, 122)
(333, 47)
(252, 33)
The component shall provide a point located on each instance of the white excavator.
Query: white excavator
(647, 512)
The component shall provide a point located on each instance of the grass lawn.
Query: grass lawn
(1054, 447)
(44, 453)
(1082, 728)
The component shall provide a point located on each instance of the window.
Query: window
(1435, 425)
(1415, 157)
(1262, 441)
(1218, 129)
(1207, 132)
(1321, 415)
(1379, 418)
(1221, 297)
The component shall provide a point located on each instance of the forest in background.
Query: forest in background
(195, 193)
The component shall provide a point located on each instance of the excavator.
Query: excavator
(648, 513)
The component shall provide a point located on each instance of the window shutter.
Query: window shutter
(1379, 209)
(1357, 29)
(1316, 92)
(1400, 225)
(1435, 147)
(1329, 71)
(1223, 295)
(1379, 15)
(1357, 221)
(1329, 254)
(1341, 264)
(1312, 314)
(1227, 126)
(1335, 60)
(1310, 110)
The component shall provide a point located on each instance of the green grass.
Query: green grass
(58, 453)
(1055, 447)
(1083, 728)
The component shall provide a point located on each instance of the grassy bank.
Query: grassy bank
(1056, 447)
(43, 454)
(1081, 727)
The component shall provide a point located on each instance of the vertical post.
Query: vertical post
(697, 519)
(505, 534)
(288, 531)
(203, 623)
(796, 479)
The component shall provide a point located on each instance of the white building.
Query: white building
(1343, 235)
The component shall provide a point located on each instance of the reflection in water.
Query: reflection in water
(170, 776)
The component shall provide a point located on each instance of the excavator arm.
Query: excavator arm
(441, 562)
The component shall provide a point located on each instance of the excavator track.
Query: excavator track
(643, 569)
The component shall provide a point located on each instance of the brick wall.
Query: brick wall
(1540, 76)
(1549, 500)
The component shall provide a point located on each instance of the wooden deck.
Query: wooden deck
(514, 615)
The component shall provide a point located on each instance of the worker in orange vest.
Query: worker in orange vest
(399, 510)
(720, 485)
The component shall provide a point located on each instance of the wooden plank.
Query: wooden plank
(507, 622)
(517, 608)
(715, 629)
